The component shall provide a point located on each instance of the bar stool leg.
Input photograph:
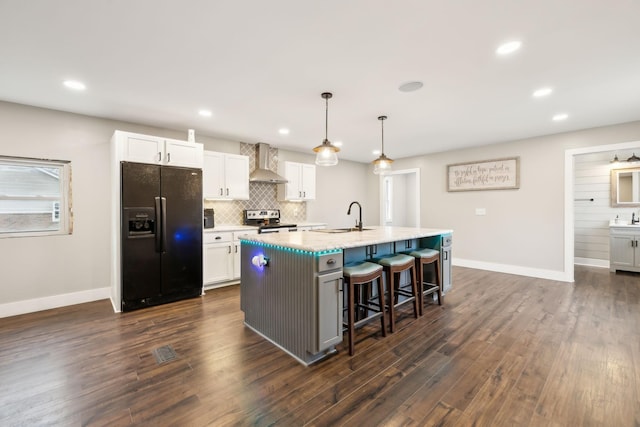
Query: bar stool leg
(391, 285)
(420, 278)
(437, 277)
(417, 295)
(351, 313)
(381, 302)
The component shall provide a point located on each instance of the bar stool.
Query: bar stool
(393, 265)
(361, 275)
(425, 257)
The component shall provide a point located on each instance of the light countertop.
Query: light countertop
(223, 228)
(314, 241)
(623, 224)
(240, 227)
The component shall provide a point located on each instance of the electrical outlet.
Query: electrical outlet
(481, 211)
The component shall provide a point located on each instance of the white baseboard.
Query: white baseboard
(512, 269)
(591, 262)
(54, 301)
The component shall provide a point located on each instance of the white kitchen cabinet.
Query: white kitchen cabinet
(301, 183)
(221, 263)
(624, 251)
(139, 148)
(218, 257)
(225, 176)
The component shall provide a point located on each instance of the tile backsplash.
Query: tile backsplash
(261, 196)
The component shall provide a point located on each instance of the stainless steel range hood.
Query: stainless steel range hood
(263, 173)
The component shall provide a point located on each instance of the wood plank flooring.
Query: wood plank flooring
(503, 350)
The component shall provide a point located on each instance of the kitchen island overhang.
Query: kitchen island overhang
(291, 286)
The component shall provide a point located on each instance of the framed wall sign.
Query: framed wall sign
(498, 174)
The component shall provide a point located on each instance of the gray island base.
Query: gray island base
(291, 288)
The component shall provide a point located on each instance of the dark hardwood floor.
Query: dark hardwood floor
(502, 350)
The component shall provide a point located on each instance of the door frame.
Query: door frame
(569, 226)
(413, 171)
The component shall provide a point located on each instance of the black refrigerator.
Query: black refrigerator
(161, 234)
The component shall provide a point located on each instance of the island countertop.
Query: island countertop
(325, 240)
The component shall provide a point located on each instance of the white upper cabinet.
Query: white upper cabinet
(133, 147)
(225, 176)
(183, 153)
(302, 182)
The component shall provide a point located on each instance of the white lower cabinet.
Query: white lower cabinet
(624, 253)
(221, 252)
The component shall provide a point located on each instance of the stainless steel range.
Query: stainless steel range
(267, 221)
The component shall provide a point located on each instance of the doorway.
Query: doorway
(569, 217)
(400, 198)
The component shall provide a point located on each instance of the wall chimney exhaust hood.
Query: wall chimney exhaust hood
(263, 172)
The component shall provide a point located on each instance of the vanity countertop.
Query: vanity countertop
(623, 224)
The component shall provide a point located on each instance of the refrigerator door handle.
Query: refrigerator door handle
(164, 223)
(158, 222)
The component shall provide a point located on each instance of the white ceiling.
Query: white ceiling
(262, 65)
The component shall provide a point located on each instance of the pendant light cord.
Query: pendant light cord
(326, 119)
(382, 122)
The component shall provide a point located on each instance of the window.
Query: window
(35, 197)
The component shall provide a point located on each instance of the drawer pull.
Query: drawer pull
(331, 261)
(218, 237)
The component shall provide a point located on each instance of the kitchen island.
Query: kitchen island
(291, 287)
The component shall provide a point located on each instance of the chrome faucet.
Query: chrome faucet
(359, 222)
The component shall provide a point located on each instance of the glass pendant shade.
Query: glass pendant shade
(326, 153)
(382, 164)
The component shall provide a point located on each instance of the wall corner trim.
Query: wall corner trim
(513, 269)
(53, 301)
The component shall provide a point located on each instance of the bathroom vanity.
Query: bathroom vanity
(624, 251)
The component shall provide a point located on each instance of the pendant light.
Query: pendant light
(326, 152)
(382, 164)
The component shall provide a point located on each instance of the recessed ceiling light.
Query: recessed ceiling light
(205, 113)
(507, 48)
(338, 143)
(560, 117)
(74, 84)
(376, 152)
(410, 86)
(544, 91)
(283, 131)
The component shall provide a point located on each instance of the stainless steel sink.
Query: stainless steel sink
(339, 230)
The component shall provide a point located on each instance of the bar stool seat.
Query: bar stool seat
(358, 278)
(393, 265)
(422, 258)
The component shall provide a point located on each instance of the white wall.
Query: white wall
(523, 230)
